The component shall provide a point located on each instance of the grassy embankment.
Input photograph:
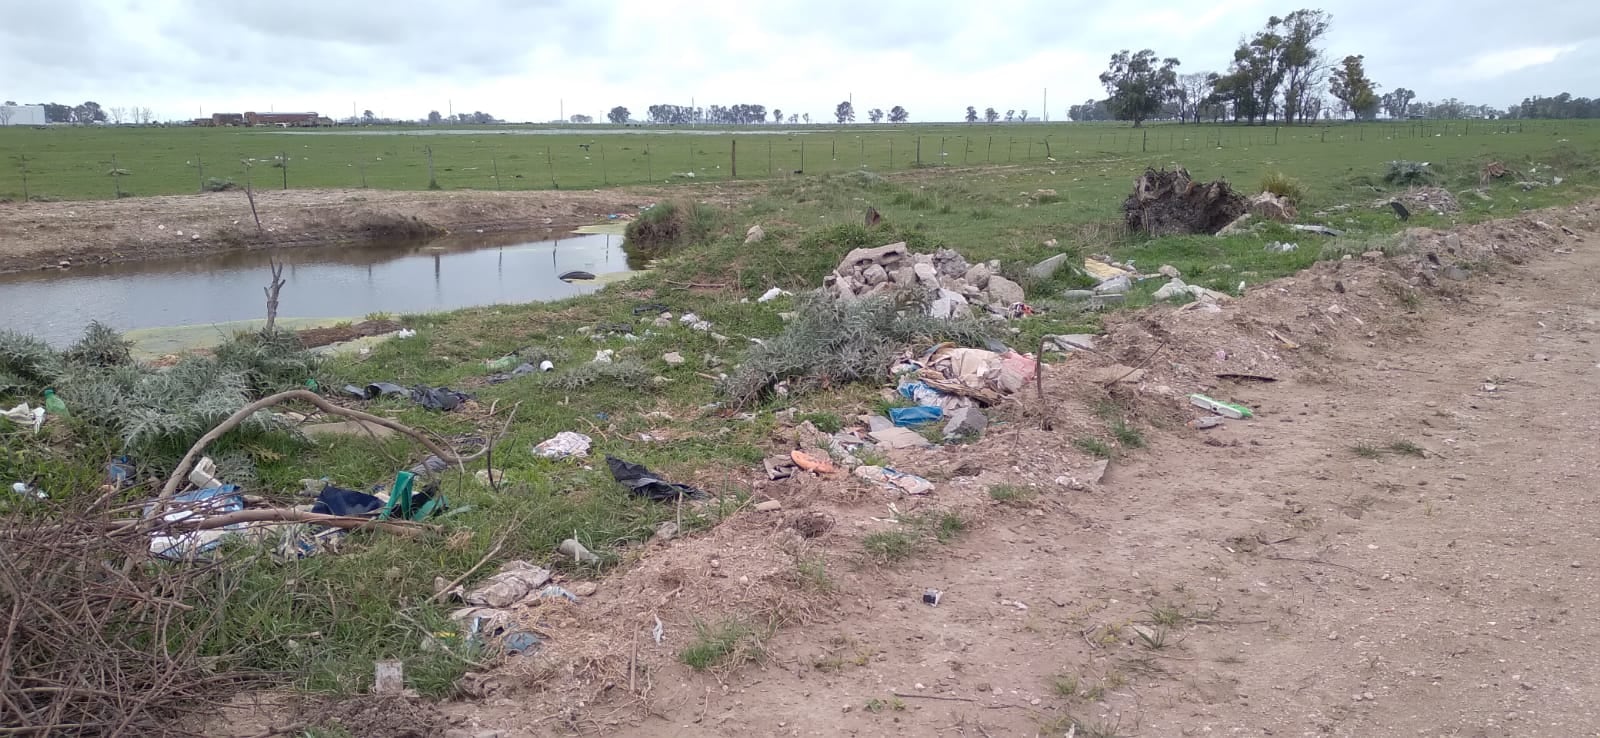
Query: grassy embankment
(370, 601)
(65, 163)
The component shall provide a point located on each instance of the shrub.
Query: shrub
(832, 342)
(101, 345)
(217, 184)
(1408, 173)
(1283, 186)
(665, 226)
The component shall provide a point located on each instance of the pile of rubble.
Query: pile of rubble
(957, 287)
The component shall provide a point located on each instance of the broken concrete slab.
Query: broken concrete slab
(1005, 291)
(896, 438)
(1048, 268)
(893, 252)
(877, 422)
(965, 421)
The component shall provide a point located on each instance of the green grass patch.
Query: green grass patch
(1012, 494)
(724, 643)
(1092, 446)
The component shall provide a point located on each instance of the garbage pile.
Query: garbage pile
(1165, 203)
(960, 289)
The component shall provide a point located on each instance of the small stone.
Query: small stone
(1168, 270)
(1077, 295)
(665, 531)
(672, 358)
(1455, 273)
(755, 234)
(1170, 290)
(927, 275)
(769, 506)
(978, 275)
(585, 589)
(489, 478)
(875, 275)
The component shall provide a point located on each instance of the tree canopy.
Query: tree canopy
(1138, 84)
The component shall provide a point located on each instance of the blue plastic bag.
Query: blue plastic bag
(909, 416)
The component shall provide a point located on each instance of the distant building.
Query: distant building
(22, 115)
(284, 120)
(226, 119)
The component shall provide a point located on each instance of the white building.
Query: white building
(22, 115)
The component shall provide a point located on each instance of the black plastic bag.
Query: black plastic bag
(438, 398)
(336, 501)
(642, 482)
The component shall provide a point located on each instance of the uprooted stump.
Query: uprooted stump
(1167, 203)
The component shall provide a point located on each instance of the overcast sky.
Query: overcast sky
(520, 59)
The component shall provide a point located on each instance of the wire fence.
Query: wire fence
(186, 161)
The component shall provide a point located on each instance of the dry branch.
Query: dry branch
(233, 421)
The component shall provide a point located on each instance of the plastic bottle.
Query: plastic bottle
(53, 404)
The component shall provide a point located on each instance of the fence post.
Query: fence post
(1144, 145)
(200, 165)
(649, 166)
(990, 154)
(944, 159)
(550, 162)
(863, 153)
(496, 164)
(733, 158)
(605, 177)
(891, 155)
(769, 156)
(802, 169)
(283, 159)
(919, 151)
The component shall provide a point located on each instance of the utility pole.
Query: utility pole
(1046, 105)
(563, 109)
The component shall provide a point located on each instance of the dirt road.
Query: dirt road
(1403, 542)
(35, 235)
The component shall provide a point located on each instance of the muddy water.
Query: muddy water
(320, 282)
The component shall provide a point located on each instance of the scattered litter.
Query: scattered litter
(772, 294)
(1102, 271)
(877, 422)
(1280, 247)
(779, 467)
(521, 642)
(1072, 342)
(196, 505)
(547, 365)
(553, 591)
(1227, 409)
(658, 632)
(909, 416)
(1114, 286)
(563, 445)
(769, 506)
(512, 584)
(932, 597)
(576, 274)
(1172, 289)
(501, 378)
(642, 482)
(1322, 229)
(437, 398)
(1207, 422)
(672, 358)
(501, 364)
(22, 414)
(336, 501)
(910, 484)
(28, 490)
(603, 356)
(1286, 342)
(813, 464)
(430, 465)
(388, 677)
(405, 333)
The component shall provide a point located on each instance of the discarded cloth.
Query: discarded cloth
(563, 445)
(911, 484)
(409, 505)
(503, 377)
(514, 582)
(196, 505)
(336, 501)
(642, 482)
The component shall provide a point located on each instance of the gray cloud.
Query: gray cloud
(521, 59)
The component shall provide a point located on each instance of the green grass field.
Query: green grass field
(73, 163)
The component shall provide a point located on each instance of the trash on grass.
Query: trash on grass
(28, 490)
(196, 505)
(910, 484)
(512, 584)
(642, 482)
(437, 398)
(1226, 409)
(576, 551)
(932, 597)
(336, 501)
(563, 445)
(813, 464)
(521, 642)
(909, 416)
(388, 677)
(772, 294)
(23, 415)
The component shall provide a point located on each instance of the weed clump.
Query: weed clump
(627, 372)
(1408, 173)
(1283, 186)
(666, 226)
(832, 342)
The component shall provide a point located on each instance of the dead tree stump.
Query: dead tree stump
(1167, 203)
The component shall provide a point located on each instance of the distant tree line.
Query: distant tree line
(1281, 74)
(1563, 105)
(92, 112)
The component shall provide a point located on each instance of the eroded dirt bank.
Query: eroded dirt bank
(35, 235)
